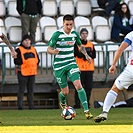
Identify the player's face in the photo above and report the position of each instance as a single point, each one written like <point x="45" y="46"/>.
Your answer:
<point x="84" y="35"/>
<point x="27" y="42"/>
<point x="68" y="25"/>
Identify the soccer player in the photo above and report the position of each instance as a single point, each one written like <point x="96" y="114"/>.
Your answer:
<point x="61" y="45"/>
<point x="124" y="80"/>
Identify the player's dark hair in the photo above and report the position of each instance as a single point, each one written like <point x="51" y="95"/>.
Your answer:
<point x="68" y="17"/>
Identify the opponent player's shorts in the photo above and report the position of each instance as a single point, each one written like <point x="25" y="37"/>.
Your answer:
<point x="125" y="79"/>
<point x="70" y="71"/>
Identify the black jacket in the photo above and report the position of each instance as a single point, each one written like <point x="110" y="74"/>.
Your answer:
<point x="32" y="7"/>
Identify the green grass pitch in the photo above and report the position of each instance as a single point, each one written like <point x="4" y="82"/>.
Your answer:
<point x="50" y="117"/>
<point x="120" y="120"/>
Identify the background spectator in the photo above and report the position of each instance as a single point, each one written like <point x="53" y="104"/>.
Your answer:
<point x="27" y="62"/>
<point x="108" y="6"/>
<point x="121" y="23"/>
<point x="86" y="69"/>
<point x="29" y="11"/>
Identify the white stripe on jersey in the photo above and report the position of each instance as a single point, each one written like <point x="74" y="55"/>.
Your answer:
<point x="64" y="66"/>
<point x="66" y="36"/>
<point x="65" y="49"/>
<point x="64" y="56"/>
<point x="60" y="62"/>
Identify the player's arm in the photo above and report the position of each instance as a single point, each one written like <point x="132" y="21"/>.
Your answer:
<point x="83" y="50"/>
<point x="52" y="44"/>
<point x="51" y="50"/>
<point x="117" y="55"/>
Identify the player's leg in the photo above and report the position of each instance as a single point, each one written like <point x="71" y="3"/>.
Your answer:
<point x="123" y="81"/>
<point x="61" y="78"/>
<point x="83" y="98"/>
<point x="62" y="95"/>
<point x="108" y="102"/>
<point x="77" y="101"/>
<point x="74" y="76"/>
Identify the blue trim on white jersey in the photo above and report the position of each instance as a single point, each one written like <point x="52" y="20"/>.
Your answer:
<point x="127" y="41"/>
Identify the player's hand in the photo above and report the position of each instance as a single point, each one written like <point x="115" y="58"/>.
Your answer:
<point x="14" y="53"/>
<point x="88" y="58"/>
<point x="112" y="69"/>
<point x="55" y="51"/>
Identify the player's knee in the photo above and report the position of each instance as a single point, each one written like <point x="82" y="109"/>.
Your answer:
<point x="65" y="91"/>
<point x="115" y="89"/>
<point x="78" y="86"/>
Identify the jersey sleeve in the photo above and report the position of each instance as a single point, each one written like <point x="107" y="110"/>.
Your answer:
<point x="128" y="38"/>
<point x="78" y="41"/>
<point x="53" y="40"/>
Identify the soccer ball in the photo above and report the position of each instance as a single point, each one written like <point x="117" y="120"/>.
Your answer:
<point x="68" y="113"/>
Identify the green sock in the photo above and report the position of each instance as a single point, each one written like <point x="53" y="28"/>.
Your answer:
<point x="62" y="98"/>
<point x="83" y="98"/>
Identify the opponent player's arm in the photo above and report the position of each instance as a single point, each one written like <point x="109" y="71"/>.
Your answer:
<point x="119" y="52"/>
<point x="83" y="50"/>
<point x="51" y="50"/>
<point x="117" y="55"/>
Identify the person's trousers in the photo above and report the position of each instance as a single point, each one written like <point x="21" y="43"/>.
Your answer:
<point x="29" y="83"/>
<point x="111" y="5"/>
<point x="29" y="25"/>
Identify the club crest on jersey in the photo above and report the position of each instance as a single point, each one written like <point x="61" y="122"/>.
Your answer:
<point x="73" y="39"/>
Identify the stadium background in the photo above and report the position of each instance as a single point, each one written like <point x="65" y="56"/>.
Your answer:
<point x="46" y="92"/>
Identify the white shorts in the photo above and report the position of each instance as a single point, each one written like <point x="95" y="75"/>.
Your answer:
<point x="125" y="79"/>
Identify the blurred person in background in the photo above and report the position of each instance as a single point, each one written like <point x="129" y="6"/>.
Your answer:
<point x="26" y="61"/>
<point x="30" y="11"/>
<point x="108" y="6"/>
<point x="121" y="23"/>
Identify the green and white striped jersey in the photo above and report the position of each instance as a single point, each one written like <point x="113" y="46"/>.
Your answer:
<point x="65" y="44"/>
